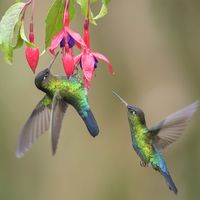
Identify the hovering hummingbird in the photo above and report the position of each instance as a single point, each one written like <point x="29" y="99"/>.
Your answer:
<point x="50" y="111"/>
<point x="148" y="143"/>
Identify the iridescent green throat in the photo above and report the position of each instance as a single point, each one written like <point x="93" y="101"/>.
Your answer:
<point x="140" y="137"/>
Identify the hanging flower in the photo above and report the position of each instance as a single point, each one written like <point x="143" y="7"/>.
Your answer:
<point x="32" y="53"/>
<point x="88" y="59"/>
<point x="32" y="57"/>
<point x="68" y="63"/>
<point x="66" y="34"/>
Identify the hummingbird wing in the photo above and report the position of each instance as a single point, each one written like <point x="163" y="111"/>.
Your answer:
<point x="59" y="108"/>
<point x="171" y="128"/>
<point x="37" y="123"/>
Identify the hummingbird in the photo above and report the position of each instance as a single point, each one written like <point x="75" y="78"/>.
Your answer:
<point x="149" y="142"/>
<point x="49" y="112"/>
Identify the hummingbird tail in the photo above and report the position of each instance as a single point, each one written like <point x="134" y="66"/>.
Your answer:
<point x="169" y="181"/>
<point x="91" y="123"/>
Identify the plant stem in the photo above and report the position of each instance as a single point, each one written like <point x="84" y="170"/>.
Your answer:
<point x="66" y="14"/>
<point x="88" y="14"/>
<point x="32" y="15"/>
<point x="25" y="7"/>
<point x="87" y="20"/>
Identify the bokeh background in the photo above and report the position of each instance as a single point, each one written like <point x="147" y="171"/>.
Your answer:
<point x="154" y="46"/>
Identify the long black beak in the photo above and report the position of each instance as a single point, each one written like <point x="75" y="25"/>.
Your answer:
<point x="51" y="64"/>
<point x="124" y="102"/>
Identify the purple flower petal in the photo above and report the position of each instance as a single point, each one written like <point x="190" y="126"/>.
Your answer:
<point x="95" y="63"/>
<point x="62" y="43"/>
<point x="71" y="41"/>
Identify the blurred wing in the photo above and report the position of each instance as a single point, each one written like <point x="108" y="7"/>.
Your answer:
<point x="59" y="108"/>
<point x="170" y="129"/>
<point x="37" y="123"/>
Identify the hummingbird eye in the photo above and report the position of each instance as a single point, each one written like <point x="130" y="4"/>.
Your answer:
<point x="133" y="112"/>
<point x="46" y="75"/>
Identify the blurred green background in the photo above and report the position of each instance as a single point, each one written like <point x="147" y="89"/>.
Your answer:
<point x="154" y="46"/>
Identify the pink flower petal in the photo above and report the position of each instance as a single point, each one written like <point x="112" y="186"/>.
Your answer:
<point x="77" y="58"/>
<point x="68" y="63"/>
<point x="104" y="58"/>
<point x="32" y="56"/>
<point x="76" y="37"/>
<point x="87" y="62"/>
<point x="56" y="41"/>
<point x="78" y="45"/>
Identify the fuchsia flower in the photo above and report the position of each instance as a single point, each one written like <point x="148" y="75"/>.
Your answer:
<point x="66" y="36"/>
<point x="32" y="54"/>
<point x="68" y="63"/>
<point x="88" y="59"/>
<point x="32" y="57"/>
<point x="66" y="39"/>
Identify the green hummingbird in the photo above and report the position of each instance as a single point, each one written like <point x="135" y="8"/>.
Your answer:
<point x="49" y="112"/>
<point x="148" y="142"/>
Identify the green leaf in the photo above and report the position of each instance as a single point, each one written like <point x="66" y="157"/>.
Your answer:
<point x="54" y="21"/>
<point x="92" y="20"/>
<point x="19" y="42"/>
<point x="104" y="9"/>
<point x="84" y="6"/>
<point x="7" y="26"/>
<point x="21" y="37"/>
<point x="72" y="9"/>
<point x="84" y="9"/>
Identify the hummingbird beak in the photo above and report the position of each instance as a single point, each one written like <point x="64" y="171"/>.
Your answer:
<point x="50" y="65"/>
<point x="126" y="104"/>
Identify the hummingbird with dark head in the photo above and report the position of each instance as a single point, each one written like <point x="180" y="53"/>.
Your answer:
<point x="149" y="142"/>
<point x="49" y="112"/>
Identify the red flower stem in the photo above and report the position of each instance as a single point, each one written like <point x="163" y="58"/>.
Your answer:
<point x="31" y="33"/>
<point x="88" y="14"/>
<point x="87" y="20"/>
<point x="33" y="10"/>
<point x="86" y="27"/>
<point x="31" y="27"/>
<point x="66" y="14"/>
<point x="32" y="14"/>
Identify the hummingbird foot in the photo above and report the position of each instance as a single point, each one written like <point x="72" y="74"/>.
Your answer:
<point x="143" y="164"/>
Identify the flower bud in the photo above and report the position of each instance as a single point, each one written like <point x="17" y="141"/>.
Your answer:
<point x="32" y="56"/>
<point x="68" y="63"/>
